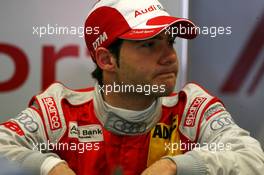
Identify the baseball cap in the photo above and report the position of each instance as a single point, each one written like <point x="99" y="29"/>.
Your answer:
<point x="130" y="20"/>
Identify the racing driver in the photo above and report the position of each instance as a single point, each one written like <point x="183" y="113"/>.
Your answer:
<point x="131" y="122"/>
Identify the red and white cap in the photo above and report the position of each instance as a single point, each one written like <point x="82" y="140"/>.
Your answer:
<point x="131" y="20"/>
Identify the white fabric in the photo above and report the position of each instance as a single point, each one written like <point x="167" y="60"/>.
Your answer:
<point x="49" y="164"/>
<point x="130" y="114"/>
<point x="127" y="9"/>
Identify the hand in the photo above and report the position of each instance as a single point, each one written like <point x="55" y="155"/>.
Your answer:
<point x="61" y="168"/>
<point x="162" y="166"/>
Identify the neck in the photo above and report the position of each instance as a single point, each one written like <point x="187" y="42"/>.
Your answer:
<point x="109" y="116"/>
<point x="130" y="101"/>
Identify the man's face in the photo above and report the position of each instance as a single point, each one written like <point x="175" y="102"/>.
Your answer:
<point x="149" y="62"/>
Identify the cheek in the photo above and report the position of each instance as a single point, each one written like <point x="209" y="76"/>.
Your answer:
<point x="134" y="66"/>
<point x="134" y="74"/>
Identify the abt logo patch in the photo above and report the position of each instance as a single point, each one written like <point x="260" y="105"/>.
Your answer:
<point x="52" y="112"/>
<point x="86" y="133"/>
<point x="192" y="111"/>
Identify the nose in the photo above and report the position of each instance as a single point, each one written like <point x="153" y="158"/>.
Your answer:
<point x="168" y="55"/>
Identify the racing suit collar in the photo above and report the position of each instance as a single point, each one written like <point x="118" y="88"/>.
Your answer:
<point x="126" y="122"/>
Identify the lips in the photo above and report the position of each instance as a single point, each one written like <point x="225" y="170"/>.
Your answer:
<point x="165" y="71"/>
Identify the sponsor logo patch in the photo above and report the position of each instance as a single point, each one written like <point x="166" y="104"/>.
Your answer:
<point x="192" y="111"/>
<point x="28" y="122"/>
<point x="147" y="10"/>
<point x="86" y="133"/>
<point x="100" y="40"/>
<point x="14" y="127"/>
<point x="221" y="123"/>
<point x="163" y="134"/>
<point x="52" y="112"/>
<point x="212" y="111"/>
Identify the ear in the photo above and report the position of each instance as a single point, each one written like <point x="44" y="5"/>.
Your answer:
<point x="105" y="59"/>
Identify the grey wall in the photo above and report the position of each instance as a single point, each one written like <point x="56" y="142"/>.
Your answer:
<point x="212" y="59"/>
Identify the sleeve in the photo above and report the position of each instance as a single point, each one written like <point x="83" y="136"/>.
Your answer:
<point x="222" y="147"/>
<point x="23" y="141"/>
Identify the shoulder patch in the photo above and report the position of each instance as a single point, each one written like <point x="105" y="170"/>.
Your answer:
<point x="197" y="99"/>
<point x="50" y="105"/>
<point x="52" y="112"/>
<point x="191" y="115"/>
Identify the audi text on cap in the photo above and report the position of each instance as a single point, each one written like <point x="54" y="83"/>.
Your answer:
<point x="131" y="20"/>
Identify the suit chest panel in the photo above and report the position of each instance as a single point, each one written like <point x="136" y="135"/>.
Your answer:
<point x="131" y="154"/>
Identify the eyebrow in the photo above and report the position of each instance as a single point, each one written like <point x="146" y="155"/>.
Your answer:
<point x="157" y="37"/>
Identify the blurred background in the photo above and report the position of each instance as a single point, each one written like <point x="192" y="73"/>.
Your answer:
<point x="227" y="57"/>
<point x="231" y="66"/>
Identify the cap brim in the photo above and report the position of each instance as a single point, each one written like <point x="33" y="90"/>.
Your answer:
<point x="179" y="27"/>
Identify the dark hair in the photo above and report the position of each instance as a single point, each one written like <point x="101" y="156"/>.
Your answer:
<point x="114" y="48"/>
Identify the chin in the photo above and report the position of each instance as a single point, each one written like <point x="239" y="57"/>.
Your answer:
<point x="165" y="90"/>
<point x="164" y="94"/>
<point x="168" y="92"/>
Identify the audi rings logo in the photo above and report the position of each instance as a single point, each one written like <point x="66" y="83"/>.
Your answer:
<point x="220" y="123"/>
<point x="129" y="127"/>
<point x="29" y="124"/>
